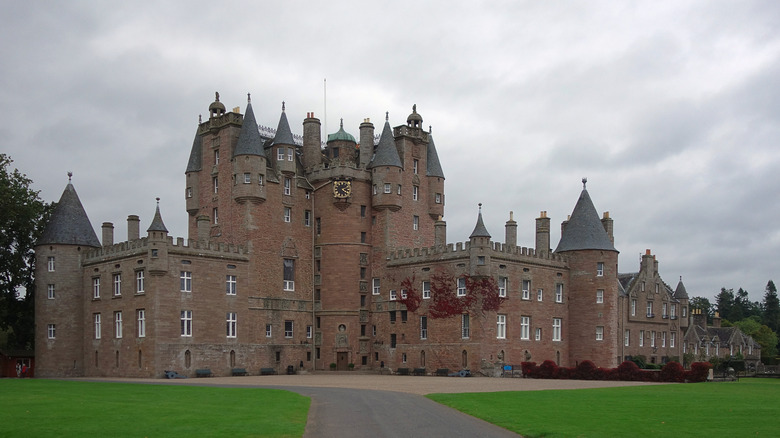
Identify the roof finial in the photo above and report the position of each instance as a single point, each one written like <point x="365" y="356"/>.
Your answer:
<point x="282" y="106"/>
<point x="248" y="98"/>
<point x="480" y="208"/>
<point x="430" y="130"/>
<point x="414" y="108"/>
<point x="217" y="94"/>
<point x="158" y="201"/>
<point x="387" y="116"/>
<point x="70" y="175"/>
<point x="341" y="124"/>
<point x="584" y="181"/>
<point x="200" y="119"/>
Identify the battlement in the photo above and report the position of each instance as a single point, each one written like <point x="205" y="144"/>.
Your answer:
<point x="179" y="245"/>
<point x="452" y="251"/>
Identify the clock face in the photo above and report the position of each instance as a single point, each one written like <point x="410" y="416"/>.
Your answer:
<point x="342" y="189"/>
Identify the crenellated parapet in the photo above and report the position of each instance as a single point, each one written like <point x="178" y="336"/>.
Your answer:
<point x="497" y="251"/>
<point x="178" y="246"/>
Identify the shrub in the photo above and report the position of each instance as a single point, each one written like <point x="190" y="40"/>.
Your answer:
<point x="628" y="370"/>
<point x="586" y="370"/>
<point x="529" y="369"/>
<point x="698" y="372"/>
<point x="548" y="370"/>
<point x="673" y="372"/>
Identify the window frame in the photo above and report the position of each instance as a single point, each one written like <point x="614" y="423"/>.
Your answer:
<point x="140" y="282"/>
<point x="559" y="293"/>
<point x="423" y="327"/>
<point x="186" y="323"/>
<point x="557" y="329"/>
<point x="599" y="332"/>
<point x="185" y="281"/>
<point x="231" y="284"/>
<point x="288" y="275"/>
<point x="140" y="315"/>
<point x="502" y="286"/>
<point x="500" y="326"/>
<point x="426" y="289"/>
<point x="98" y="325"/>
<point x="465" y="326"/>
<point x="599" y="296"/>
<point x="231" y="324"/>
<point x="118" y="324"/>
<point x="461" y="287"/>
<point x="526" y="290"/>
<point x="525" y="328"/>
<point x="117" y="284"/>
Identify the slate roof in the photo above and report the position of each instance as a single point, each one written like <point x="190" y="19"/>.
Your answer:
<point x="283" y="133"/>
<point x="249" y="141"/>
<point x="680" y="292"/>
<point x="195" y="164"/>
<point x="584" y="230"/>
<point x="385" y="153"/>
<point x="157" y="222"/>
<point x="69" y="224"/>
<point x="479" y="228"/>
<point x="434" y="166"/>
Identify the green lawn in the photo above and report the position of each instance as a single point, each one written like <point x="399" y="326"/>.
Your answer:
<point x="39" y="408"/>
<point x="750" y="407"/>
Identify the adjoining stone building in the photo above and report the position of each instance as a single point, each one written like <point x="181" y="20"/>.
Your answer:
<point x="309" y="254"/>
<point x="703" y="342"/>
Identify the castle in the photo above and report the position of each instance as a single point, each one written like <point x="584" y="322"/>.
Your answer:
<point x="335" y="256"/>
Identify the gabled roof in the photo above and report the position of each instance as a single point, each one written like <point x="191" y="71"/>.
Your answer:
<point x="69" y="223"/>
<point x="434" y="166"/>
<point x="249" y="141"/>
<point x="479" y="228"/>
<point x="385" y="153"/>
<point x="157" y="222"/>
<point x="626" y="280"/>
<point x="195" y="164"/>
<point x="584" y="230"/>
<point x="283" y="133"/>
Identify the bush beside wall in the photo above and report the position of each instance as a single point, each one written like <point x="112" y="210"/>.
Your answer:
<point x="628" y="370"/>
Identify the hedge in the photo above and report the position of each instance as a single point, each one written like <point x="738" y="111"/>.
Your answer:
<point x="628" y="370"/>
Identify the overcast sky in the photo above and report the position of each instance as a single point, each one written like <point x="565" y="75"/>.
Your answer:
<point x="670" y="109"/>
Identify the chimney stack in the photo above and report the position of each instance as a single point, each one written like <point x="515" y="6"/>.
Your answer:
<point x="108" y="234"/>
<point x="543" y="233"/>
<point x="133" y="227"/>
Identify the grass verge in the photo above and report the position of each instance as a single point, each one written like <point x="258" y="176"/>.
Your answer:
<point x="749" y="407"/>
<point x="37" y="407"/>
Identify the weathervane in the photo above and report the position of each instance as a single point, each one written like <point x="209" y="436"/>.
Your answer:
<point x="584" y="181"/>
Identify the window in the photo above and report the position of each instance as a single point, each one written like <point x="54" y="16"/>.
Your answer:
<point x="415" y="192"/>
<point x="318" y="225"/>
<point x="50" y="264"/>
<point x="437" y="197"/>
<point x="556" y="335"/>
<point x="403" y="294"/>
<point x="387" y="188"/>
<point x="600" y="269"/>
<point x="633" y="307"/>
<point x="139" y="282"/>
<point x="403" y="357"/>
<point x="500" y="326"/>
<point x="461" y="286"/>
<point x="538" y="335"/>
<point x="186" y="323"/>
<point x="600" y="296"/>
<point x="641" y="338"/>
<point x="362" y="237"/>
<point x="118" y="325"/>
<point x="373" y="330"/>
<point x="287" y="214"/>
<point x="230" y="322"/>
<point x="117" y="285"/>
<point x="280" y="154"/>
<point x="247" y="178"/>
<point x="526" y="289"/>
<point x="652" y="338"/>
<point x="289" y="274"/>
<point x="309" y="332"/>
<point x="664" y="313"/>
<point x="289" y="154"/>
<point x="684" y="311"/>
<point x="307" y="218"/>
<point x="673" y="313"/>
<point x="215" y="181"/>
<point x="393" y="342"/>
<point x="663" y="339"/>
<point x="189" y="192"/>
<point x="393" y="295"/>
<point x="375" y="286"/>
<point x="392" y="317"/>
<point x="185" y="281"/>
<point x="268" y="331"/>
<point x="502" y="281"/>
<point x="600" y="333"/>
<point x="260" y="179"/>
<point x="627" y="338"/>
<point x="374" y="189"/>
<point x="426" y="290"/>
<point x="525" y="327"/>
<point x="465" y="330"/>
<point x="307" y="194"/>
<point x="416" y="223"/>
<point x="657" y="288"/>
<point x="97" y="326"/>
<point x="642" y="286"/>
<point x="558" y="293"/>
<point x="216" y="157"/>
<point x="287" y="185"/>
<point x="539" y="293"/>
<point x="141" y="317"/>
<point x="672" y="337"/>
<point x="481" y="260"/>
<point x="423" y="327"/>
<point x="96" y="287"/>
<point x="399" y="189"/>
<point x="362" y="211"/>
<point x="51" y="330"/>
<point x="230" y="284"/>
<point x="50" y="291"/>
<point x="415" y="166"/>
<point x="650" y="309"/>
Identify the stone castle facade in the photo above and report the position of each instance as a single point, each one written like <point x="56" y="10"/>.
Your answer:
<point x="319" y="256"/>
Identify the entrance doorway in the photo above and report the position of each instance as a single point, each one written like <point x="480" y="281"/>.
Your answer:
<point x="342" y="361"/>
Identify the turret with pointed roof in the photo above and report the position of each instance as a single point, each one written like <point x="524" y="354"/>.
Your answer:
<point x="387" y="171"/>
<point x="479" y="229"/>
<point x="249" y="160"/>
<point x="385" y="153"/>
<point x="435" y="176"/>
<point x="584" y="229"/>
<point x="283" y="145"/>
<point x="69" y="224"/>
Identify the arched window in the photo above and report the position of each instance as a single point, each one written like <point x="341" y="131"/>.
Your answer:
<point x="422" y="358"/>
<point x="232" y="358"/>
<point x="465" y="359"/>
<point x="187" y="359"/>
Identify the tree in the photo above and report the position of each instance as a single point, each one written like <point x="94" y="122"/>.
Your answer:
<point x="771" y="307"/>
<point x="22" y="218"/>
<point x="761" y="334"/>
<point x="704" y="305"/>
<point x="725" y="304"/>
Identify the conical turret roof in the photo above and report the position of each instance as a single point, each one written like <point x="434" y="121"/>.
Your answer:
<point x="385" y="153"/>
<point x="69" y="223"/>
<point x="283" y="133"/>
<point x="434" y="166"/>
<point x="680" y="293"/>
<point x="584" y="230"/>
<point x="479" y="228"/>
<point x="157" y="222"/>
<point x="249" y="141"/>
<point x="195" y="164"/>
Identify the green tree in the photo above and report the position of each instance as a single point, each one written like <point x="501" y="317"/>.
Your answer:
<point x="771" y="307"/>
<point x="724" y="302"/>
<point x="22" y="217"/>
<point x="761" y="334"/>
<point x="704" y="305"/>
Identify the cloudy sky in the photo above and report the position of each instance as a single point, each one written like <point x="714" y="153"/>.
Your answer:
<point x="670" y="109"/>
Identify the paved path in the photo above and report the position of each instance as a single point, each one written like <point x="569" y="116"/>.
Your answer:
<point x="358" y="405"/>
